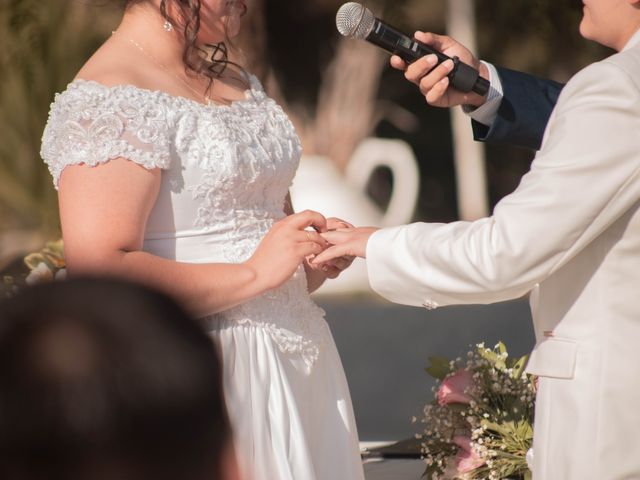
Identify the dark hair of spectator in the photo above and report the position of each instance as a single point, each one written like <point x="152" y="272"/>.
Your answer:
<point x="101" y="379"/>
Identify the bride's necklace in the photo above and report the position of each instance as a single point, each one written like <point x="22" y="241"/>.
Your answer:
<point x="204" y="96"/>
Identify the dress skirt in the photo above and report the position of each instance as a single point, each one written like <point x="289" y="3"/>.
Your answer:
<point x="290" y="421"/>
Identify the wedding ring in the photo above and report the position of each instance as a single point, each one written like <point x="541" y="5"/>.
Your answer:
<point x="308" y="235"/>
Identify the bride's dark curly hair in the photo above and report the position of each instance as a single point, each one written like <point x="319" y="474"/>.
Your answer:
<point x="208" y="60"/>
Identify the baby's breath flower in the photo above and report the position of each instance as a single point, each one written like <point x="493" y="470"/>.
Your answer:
<point x="499" y="401"/>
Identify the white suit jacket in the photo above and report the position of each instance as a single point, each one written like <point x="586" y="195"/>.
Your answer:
<point x="570" y="235"/>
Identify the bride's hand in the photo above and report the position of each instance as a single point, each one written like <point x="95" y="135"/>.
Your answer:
<point x="332" y="268"/>
<point x="286" y="246"/>
<point x="336" y="266"/>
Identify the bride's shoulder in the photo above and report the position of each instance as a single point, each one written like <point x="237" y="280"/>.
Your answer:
<point x="108" y="82"/>
<point x="102" y="115"/>
<point x="108" y="74"/>
<point x="113" y="65"/>
<point x="91" y="92"/>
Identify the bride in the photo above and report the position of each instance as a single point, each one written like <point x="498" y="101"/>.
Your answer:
<point x="173" y="169"/>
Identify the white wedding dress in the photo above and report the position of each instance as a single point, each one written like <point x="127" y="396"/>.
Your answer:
<point x="226" y="172"/>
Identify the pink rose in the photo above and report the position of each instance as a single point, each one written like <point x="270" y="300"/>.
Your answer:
<point x="467" y="459"/>
<point x="453" y="389"/>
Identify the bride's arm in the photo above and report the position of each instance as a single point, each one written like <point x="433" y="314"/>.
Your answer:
<point x="103" y="213"/>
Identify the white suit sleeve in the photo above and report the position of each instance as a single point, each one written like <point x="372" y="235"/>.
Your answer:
<point x="583" y="179"/>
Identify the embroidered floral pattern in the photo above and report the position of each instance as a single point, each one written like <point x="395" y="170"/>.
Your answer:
<point x="289" y="316"/>
<point x="88" y="124"/>
<point x="234" y="163"/>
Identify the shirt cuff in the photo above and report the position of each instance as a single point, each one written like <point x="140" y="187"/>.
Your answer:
<point x="487" y="112"/>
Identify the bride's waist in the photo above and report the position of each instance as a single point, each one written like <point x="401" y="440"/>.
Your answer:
<point x="297" y="331"/>
<point x="205" y="247"/>
<point x="289" y="304"/>
<point x="291" y="320"/>
<point x="303" y="318"/>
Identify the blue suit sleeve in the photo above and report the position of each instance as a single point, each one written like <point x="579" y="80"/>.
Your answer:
<point x="524" y="111"/>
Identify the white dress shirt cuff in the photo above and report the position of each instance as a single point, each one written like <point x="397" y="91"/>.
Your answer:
<point x="486" y="113"/>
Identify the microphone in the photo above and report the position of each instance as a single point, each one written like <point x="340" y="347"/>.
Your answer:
<point x="353" y="20"/>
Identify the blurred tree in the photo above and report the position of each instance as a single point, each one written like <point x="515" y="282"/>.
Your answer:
<point x="540" y="37"/>
<point x="43" y="46"/>
<point x="296" y="49"/>
<point x="328" y="84"/>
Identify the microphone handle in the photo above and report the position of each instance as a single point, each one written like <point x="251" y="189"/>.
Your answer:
<point x="463" y="77"/>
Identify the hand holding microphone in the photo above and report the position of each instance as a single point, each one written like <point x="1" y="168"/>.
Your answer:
<point x="428" y="57"/>
<point x="433" y="81"/>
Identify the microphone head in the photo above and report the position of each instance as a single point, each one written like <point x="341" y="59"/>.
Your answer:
<point x="354" y="20"/>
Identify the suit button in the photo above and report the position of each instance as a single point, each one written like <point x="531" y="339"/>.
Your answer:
<point x="430" y="305"/>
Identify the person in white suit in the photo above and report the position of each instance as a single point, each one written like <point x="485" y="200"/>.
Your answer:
<point x="570" y="236"/>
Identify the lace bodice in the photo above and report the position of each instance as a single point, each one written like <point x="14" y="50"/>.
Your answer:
<point x="226" y="172"/>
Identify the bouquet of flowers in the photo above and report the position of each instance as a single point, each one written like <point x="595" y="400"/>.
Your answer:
<point x="479" y="425"/>
<point x="47" y="264"/>
<point x="38" y="267"/>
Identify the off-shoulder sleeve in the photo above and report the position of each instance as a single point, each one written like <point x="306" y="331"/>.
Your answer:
<point x="91" y="124"/>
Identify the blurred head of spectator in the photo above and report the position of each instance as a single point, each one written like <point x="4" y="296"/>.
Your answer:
<point x="101" y="379"/>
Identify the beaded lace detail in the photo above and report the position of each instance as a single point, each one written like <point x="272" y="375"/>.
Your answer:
<point x="227" y="168"/>
<point x="288" y="316"/>
<point x="90" y="124"/>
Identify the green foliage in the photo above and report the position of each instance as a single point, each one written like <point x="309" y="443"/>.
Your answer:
<point x="439" y="367"/>
<point x="43" y="46"/>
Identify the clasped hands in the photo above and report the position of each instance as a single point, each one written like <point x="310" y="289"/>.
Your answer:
<point x="335" y="242"/>
<point x="325" y="245"/>
<point x="342" y="243"/>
